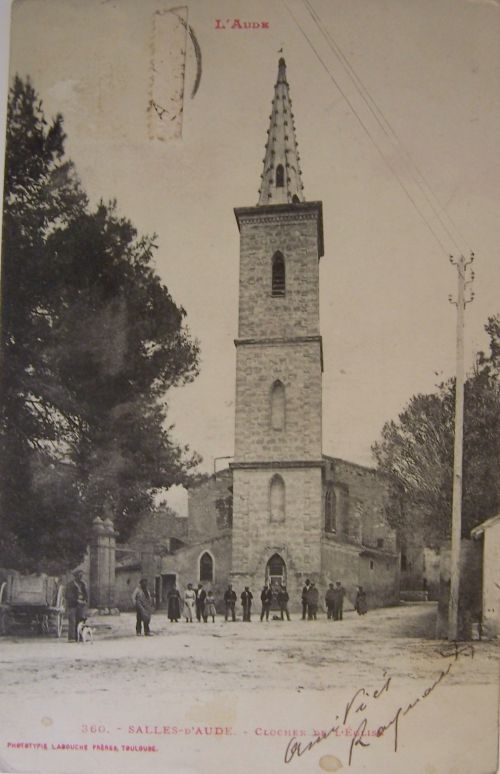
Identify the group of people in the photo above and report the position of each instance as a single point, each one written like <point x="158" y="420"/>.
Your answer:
<point x="334" y="601"/>
<point x="198" y="603"/>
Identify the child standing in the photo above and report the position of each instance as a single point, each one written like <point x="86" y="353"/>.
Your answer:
<point x="210" y="606"/>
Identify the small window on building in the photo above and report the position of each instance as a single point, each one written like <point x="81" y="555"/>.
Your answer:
<point x="280" y="176"/>
<point x="380" y="542"/>
<point x="278" y="406"/>
<point x="206" y="568"/>
<point x="277" y="498"/>
<point x="403" y="562"/>
<point x="330" y="511"/>
<point x="295" y="199"/>
<point x="278" y="275"/>
<point x="371" y="564"/>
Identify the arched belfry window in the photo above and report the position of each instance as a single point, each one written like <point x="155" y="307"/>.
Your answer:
<point x="277" y="498"/>
<point x="206" y="568"/>
<point x="278" y="279"/>
<point x="280" y="176"/>
<point x="330" y="511"/>
<point x="278" y="405"/>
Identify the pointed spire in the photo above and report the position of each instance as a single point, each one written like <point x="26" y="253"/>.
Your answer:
<point x="281" y="179"/>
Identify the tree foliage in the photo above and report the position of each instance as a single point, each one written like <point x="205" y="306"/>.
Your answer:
<point x="91" y="342"/>
<point x="416" y="452"/>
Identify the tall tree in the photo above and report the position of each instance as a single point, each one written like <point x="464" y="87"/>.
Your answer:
<point x="91" y="342"/>
<point x="416" y="452"/>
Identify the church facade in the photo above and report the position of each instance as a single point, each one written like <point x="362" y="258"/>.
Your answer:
<point x="296" y="513"/>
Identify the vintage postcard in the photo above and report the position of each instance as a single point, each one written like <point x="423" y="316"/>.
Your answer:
<point x="250" y="387"/>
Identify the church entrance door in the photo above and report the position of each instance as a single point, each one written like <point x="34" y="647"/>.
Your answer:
<point x="275" y="577"/>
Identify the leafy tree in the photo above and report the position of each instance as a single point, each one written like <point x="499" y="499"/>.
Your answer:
<point x="416" y="452"/>
<point x="91" y="342"/>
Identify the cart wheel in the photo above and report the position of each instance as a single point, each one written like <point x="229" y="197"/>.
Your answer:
<point x="56" y="624"/>
<point x="60" y="598"/>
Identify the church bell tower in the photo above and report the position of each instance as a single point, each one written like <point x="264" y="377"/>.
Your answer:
<point x="277" y="468"/>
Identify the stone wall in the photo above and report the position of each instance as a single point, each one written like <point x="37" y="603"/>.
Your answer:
<point x="339" y="563"/>
<point x="185" y="565"/>
<point x="491" y="581"/>
<point x="469" y="605"/>
<point x="297" y="364"/>
<point x="205" y="519"/>
<point x="295" y="234"/>
<point x="297" y="539"/>
<point x="379" y="576"/>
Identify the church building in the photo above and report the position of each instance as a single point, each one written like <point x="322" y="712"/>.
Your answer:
<point x="283" y="511"/>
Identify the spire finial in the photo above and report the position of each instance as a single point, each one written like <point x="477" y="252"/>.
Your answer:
<point x="282" y="182"/>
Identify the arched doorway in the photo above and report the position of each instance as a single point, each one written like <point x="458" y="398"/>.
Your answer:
<point x="275" y="576"/>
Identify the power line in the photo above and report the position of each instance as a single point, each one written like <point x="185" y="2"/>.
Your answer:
<point x="386" y="127"/>
<point x="367" y="131"/>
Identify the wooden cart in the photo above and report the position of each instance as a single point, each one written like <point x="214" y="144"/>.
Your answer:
<point x="32" y="602"/>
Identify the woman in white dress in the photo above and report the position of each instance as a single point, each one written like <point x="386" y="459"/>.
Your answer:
<point x="189" y="603"/>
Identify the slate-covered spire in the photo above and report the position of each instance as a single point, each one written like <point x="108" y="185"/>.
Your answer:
<point x="281" y="181"/>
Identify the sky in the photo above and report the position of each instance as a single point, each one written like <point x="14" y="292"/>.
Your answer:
<point x="391" y="169"/>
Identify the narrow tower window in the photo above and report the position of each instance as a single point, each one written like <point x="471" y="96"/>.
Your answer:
<point x="330" y="511"/>
<point x="280" y="176"/>
<point x="278" y="280"/>
<point x="206" y="568"/>
<point x="278" y="406"/>
<point x="277" y="498"/>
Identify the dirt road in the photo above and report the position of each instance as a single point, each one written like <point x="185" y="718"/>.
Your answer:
<point x="201" y="695"/>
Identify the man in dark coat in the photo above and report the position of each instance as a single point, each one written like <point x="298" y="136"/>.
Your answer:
<point x="360" y="604"/>
<point x="304" y="599"/>
<point x="338" y="601"/>
<point x="283" y="599"/>
<point x="174" y="605"/>
<point x="143" y="607"/>
<point x="312" y="602"/>
<point x="230" y="602"/>
<point x="76" y="603"/>
<point x="201" y="596"/>
<point x="266" y="597"/>
<point x="246" y="603"/>
<point x="330" y="601"/>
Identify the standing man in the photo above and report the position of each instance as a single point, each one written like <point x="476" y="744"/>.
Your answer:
<point x="304" y="599"/>
<point x="143" y="602"/>
<point x="246" y="602"/>
<point x="312" y="602"/>
<point x="330" y="597"/>
<point x="266" y="597"/>
<point x="201" y="596"/>
<point x="230" y="602"/>
<point x="338" y="602"/>
<point x="76" y="603"/>
<point x="283" y="599"/>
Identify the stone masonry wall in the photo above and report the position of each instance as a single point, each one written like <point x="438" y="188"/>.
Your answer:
<point x="369" y="488"/>
<point x="255" y="538"/>
<point x="297" y="312"/>
<point x="298" y="367"/>
<point x="204" y="520"/>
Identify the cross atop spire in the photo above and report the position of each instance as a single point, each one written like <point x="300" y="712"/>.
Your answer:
<point x="281" y="181"/>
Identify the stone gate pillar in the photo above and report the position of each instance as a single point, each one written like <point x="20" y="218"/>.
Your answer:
<point x="102" y="563"/>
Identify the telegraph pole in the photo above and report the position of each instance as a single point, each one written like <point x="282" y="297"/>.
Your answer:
<point x="461" y="265"/>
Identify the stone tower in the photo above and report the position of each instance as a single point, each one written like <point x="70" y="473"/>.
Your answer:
<point x="277" y="469"/>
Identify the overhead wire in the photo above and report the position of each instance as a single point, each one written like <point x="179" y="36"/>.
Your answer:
<point x="367" y="131"/>
<point x="389" y="130"/>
